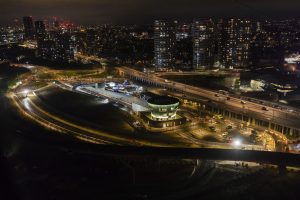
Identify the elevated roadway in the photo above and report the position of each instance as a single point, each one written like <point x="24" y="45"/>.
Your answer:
<point x="264" y="157"/>
<point x="287" y="117"/>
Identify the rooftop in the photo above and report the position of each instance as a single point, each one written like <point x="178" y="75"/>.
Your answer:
<point x="163" y="100"/>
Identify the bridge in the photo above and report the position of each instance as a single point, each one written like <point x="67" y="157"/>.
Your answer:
<point x="197" y="73"/>
<point x="265" y="157"/>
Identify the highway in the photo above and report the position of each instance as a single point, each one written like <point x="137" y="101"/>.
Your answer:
<point x="197" y="73"/>
<point x="29" y="106"/>
<point x="127" y="101"/>
<point x="31" y="109"/>
<point x="147" y="152"/>
<point x="288" y="115"/>
<point x="181" y="131"/>
<point x="46" y="120"/>
<point x="161" y="152"/>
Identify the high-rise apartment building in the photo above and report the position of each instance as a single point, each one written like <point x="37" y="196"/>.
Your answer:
<point x="28" y="28"/>
<point x="164" y="41"/>
<point x="64" y="47"/>
<point x="45" y="46"/>
<point x="235" y="42"/>
<point x="203" y="43"/>
<point x="54" y="45"/>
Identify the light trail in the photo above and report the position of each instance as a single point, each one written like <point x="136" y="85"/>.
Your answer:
<point x="109" y="138"/>
<point x="54" y="126"/>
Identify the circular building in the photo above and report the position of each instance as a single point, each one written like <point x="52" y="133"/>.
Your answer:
<point x="163" y="108"/>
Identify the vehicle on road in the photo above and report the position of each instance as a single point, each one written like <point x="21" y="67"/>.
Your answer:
<point x="229" y="127"/>
<point x="264" y="108"/>
<point x="218" y="116"/>
<point x="225" y="134"/>
<point x="275" y="106"/>
<point x="223" y="92"/>
<point x="212" y="128"/>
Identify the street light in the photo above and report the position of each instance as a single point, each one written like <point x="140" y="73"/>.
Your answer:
<point x="237" y="142"/>
<point x="25" y="92"/>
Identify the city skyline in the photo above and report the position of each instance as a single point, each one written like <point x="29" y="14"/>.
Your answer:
<point x="201" y="44"/>
<point x="149" y="99"/>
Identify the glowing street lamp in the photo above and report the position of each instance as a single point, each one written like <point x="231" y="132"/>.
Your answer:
<point x="237" y="142"/>
<point x="25" y="92"/>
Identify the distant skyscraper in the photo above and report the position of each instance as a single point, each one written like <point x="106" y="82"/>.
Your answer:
<point x="28" y="27"/>
<point x="56" y="23"/>
<point x="40" y="29"/>
<point x="235" y="43"/>
<point x="203" y="43"/>
<point x="64" y="46"/>
<point x="43" y="43"/>
<point x="54" y="45"/>
<point x="164" y="40"/>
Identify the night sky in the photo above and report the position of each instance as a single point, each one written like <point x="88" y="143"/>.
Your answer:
<point x="144" y="11"/>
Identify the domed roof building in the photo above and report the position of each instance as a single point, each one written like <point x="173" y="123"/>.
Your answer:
<point x="162" y="112"/>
